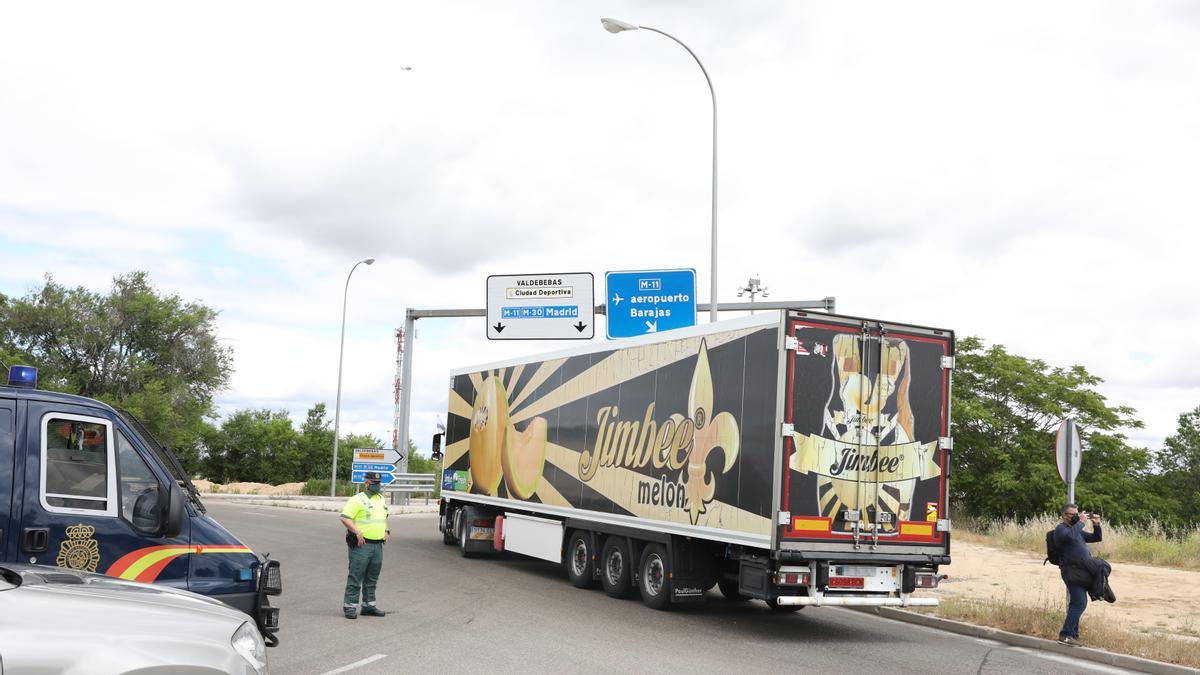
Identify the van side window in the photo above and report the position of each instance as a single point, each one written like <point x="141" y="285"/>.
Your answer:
<point x="139" y="487"/>
<point x="77" y="465"/>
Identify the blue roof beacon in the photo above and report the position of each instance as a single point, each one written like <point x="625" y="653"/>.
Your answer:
<point x="24" y="377"/>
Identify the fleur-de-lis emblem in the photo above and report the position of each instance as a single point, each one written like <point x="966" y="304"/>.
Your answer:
<point x="712" y="432"/>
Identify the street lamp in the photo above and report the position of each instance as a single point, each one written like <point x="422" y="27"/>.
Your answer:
<point x="753" y="287"/>
<point x="337" y="410"/>
<point x="618" y="26"/>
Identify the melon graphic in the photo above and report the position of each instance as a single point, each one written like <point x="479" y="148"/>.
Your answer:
<point x="489" y="422"/>
<point x="523" y="457"/>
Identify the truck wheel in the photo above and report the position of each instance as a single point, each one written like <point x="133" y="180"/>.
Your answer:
<point x="447" y="528"/>
<point x="614" y="568"/>
<point x="465" y="514"/>
<point x="729" y="589"/>
<point x="581" y="569"/>
<point x="654" y="577"/>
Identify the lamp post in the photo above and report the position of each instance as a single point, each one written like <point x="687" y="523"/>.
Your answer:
<point x="753" y="287"/>
<point x="618" y="26"/>
<point x="337" y="409"/>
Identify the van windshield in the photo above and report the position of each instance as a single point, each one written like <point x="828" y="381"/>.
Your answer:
<point x="165" y="457"/>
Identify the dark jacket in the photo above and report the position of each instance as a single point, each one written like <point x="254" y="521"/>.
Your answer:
<point x="1072" y="542"/>
<point x="1091" y="573"/>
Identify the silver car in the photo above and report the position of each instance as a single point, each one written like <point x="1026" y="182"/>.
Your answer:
<point x="54" y="620"/>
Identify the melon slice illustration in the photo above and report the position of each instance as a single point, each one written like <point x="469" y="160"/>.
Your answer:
<point x="489" y="422"/>
<point x="524" y="457"/>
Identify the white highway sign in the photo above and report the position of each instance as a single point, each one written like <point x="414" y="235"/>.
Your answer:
<point x="377" y="456"/>
<point x="541" y="307"/>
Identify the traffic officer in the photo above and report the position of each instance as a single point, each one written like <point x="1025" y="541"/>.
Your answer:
<point x="365" y="517"/>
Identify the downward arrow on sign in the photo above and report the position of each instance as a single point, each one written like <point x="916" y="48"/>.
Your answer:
<point x="499" y="327"/>
<point x="652" y="326"/>
<point x="580" y="326"/>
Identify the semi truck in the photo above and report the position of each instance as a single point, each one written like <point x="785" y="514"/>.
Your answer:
<point x="792" y="457"/>
<point x="86" y="487"/>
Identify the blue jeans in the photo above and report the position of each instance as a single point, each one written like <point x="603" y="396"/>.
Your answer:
<point x="1079" y="600"/>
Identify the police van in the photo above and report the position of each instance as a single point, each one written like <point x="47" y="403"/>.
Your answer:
<point x="85" y="486"/>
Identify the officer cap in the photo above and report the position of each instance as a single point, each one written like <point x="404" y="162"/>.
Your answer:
<point x="371" y="475"/>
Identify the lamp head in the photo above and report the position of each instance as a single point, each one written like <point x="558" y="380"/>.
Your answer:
<point x="370" y="261"/>
<point x="616" y="25"/>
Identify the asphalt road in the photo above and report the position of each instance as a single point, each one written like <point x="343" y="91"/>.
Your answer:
<point x="514" y="614"/>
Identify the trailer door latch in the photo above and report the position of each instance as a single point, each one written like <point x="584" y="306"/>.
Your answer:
<point x="787" y="429"/>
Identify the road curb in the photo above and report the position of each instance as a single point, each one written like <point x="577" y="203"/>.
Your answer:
<point x="1030" y="642"/>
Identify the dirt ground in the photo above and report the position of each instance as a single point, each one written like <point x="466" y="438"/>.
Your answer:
<point x="249" y="488"/>
<point x="1149" y="599"/>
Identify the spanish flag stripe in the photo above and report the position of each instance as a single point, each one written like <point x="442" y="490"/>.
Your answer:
<point x="146" y="564"/>
<point x="118" y="568"/>
<point x="134" y="571"/>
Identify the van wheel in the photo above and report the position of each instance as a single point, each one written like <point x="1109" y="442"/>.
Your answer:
<point x="614" y="568"/>
<point x="729" y="589"/>
<point x="654" y="577"/>
<point x="447" y="528"/>
<point x="581" y="569"/>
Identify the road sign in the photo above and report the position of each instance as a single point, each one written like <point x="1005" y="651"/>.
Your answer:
<point x="385" y="478"/>
<point x="541" y="307"/>
<point x="376" y="455"/>
<point x="1067" y="452"/>
<point x="649" y="301"/>
<point x="369" y="466"/>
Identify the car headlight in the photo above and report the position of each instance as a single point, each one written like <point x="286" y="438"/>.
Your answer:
<point x="247" y="642"/>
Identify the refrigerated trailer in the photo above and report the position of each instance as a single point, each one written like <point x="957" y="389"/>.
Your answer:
<point x="793" y="457"/>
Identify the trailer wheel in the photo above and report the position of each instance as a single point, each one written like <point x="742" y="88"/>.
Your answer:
<point x="447" y="528"/>
<point x="654" y="577"/>
<point x="729" y="589"/>
<point x="614" y="568"/>
<point x="581" y="569"/>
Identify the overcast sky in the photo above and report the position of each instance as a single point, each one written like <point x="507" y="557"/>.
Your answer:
<point x="1021" y="171"/>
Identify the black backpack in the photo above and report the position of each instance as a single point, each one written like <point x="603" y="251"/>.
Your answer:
<point x="1052" y="555"/>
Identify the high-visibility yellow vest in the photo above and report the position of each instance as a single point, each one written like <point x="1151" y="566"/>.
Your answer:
<point x="368" y="513"/>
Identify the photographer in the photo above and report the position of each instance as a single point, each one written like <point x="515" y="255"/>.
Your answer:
<point x="1072" y="543"/>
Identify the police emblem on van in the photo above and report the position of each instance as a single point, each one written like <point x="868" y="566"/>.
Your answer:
<point x="80" y="550"/>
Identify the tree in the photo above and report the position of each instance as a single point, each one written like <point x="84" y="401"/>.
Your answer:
<point x="1005" y="411"/>
<point x="258" y="446"/>
<point x="152" y="354"/>
<point x="1179" y="461"/>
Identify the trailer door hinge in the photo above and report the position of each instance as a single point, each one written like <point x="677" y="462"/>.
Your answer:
<point x="948" y="362"/>
<point x="787" y="429"/>
<point x="791" y="343"/>
<point x="943" y="525"/>
<point x="945" y="443"/>
<point x="785" y="517"/>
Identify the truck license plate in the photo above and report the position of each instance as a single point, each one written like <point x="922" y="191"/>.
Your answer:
<point x="845" y="582"/>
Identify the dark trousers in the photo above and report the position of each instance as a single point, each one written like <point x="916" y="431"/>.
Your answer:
<point x="1079" y="599"/>
<point x="365" y="563"/>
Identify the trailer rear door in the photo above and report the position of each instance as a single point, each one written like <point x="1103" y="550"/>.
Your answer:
<point x="865" y="462"/>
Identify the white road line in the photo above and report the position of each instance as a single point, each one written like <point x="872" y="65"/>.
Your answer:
<point x="356" y="664"/>
<point x="264" y="515"/>
<point x="1079" y="663"/>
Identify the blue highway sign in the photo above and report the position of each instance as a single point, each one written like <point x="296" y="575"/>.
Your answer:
<point x="369" y="466"/>
<point x="384" y="477"/>
<point x="649" y="301"/>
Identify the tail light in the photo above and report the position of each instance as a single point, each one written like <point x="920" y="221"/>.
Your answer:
<point x="792" y="579"/>
<point x="927" y="581"/>
<point x="482" y="522"/>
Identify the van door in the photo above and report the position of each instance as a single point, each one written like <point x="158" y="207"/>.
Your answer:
<point x="92" y="500"/>
<point x="8" y="435"/>
<point x="865" y="468"/>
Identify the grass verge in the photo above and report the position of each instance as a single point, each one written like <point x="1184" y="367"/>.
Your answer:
<point x="1147" y="544"/>
<point x="1044" y="621"/>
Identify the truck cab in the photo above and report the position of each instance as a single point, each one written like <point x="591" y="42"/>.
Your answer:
<point x="84" y="486"/>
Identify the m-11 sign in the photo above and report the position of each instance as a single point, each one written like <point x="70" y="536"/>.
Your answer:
<point x="649" y="301"/>
<point x="541" y="307"/>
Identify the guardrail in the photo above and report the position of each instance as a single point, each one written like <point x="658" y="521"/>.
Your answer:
<point x="407" y="484"/>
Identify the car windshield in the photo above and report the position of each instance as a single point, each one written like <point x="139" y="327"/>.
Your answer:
<point x="165" y="457"/>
